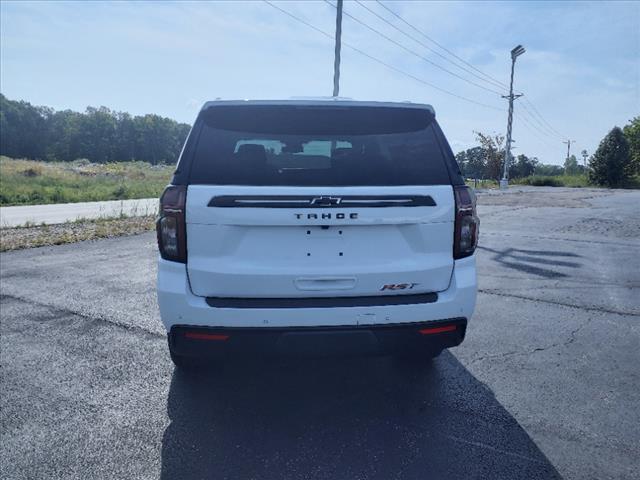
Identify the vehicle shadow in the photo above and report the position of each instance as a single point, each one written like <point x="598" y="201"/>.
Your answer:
<point x="343" y="418"/>
<point x="530" y="261"/>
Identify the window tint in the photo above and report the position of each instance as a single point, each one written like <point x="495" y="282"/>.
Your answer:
<point x="317" y="146"/>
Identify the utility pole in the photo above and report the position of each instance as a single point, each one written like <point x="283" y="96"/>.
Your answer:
<point x="515" y="53"/>
<point x="336" y="60"/>
<point x="568" y="143"/>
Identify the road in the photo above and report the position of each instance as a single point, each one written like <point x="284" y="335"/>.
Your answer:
<point x="69" y="212"/>
<point x="546" y="385"/>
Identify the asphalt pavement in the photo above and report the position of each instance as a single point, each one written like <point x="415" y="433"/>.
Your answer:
<point x="546" y="384"/>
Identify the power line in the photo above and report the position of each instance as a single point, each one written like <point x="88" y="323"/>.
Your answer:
<point x="543" y="119"/>
<point x="525" y="116"/>
<point x="538" y="117"/>
<point x="531" y="128"/>
<point x="535" y="129"/>
<point x="491" y="82"/>
<point x="413" y="52"/>
<point x="541" y="126"/>
<point x="382" y="62"/>
<point x="494" y="80"/>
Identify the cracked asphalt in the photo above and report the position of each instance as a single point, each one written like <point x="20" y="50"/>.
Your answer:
<point x="546" y="385"/>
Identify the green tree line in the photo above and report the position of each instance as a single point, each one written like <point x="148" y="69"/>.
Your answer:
<point x="487" y="159"/>
<point x="614" y="163"/>
<point x="99" y="134"/>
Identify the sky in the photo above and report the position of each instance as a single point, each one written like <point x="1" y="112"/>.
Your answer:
<point x="580" y="75"/>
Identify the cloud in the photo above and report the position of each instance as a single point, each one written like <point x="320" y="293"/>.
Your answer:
<point x="580" y="69"/>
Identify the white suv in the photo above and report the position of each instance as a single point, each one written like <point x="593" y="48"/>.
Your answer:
<point x="314" y="227"/>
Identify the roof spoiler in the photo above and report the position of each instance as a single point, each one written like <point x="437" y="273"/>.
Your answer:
<point x="319" y="101"/>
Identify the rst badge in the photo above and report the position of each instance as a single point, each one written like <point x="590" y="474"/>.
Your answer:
<point x="399" y="286"/>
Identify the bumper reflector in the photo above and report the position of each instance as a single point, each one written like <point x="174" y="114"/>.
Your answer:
<point x="205" y="336"/>
<point x="432" y="330"/>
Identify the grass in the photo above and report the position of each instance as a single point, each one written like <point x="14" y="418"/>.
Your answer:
<point x="554" y="181"/>
<point x="576" y="181"/>
<point x="30" y="236"/>
<point x="28" y="182"/>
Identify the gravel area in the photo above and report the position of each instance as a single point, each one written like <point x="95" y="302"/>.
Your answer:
<point x="543" y="196"/>
<point x="42" y="235"/>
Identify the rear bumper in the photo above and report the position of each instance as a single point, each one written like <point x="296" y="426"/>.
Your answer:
<point x="179" y="307"/>
<point x="356" y="340"/>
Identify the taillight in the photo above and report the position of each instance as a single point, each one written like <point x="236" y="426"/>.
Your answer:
<point x="434" y="330"/>
<point x="467" y="222"/>
<point x="170" y="226"/>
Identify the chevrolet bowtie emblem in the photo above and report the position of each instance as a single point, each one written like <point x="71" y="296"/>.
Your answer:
<point x="320" y="201"/>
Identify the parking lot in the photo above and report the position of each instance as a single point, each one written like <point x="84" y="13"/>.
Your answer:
<point x="546" y="385"/>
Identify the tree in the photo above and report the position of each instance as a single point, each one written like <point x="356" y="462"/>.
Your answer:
<point x="99" y="134"/>
<point x="64" y="142"/>
<point x="23" y="129"/>
<point x="126" y="133"/>
<point x="571" y="165"/>
<point x="610" y="165"/>
<point x="632" y="134"/>
<point x="523" y="166"/>
<point x="472" y="162"/>
<point x="494" y="153"/>
<point x="548" y="170"/>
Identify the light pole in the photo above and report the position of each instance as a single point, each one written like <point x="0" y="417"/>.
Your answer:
<point x="336" y="58"/>
<point x="515" y="53"/>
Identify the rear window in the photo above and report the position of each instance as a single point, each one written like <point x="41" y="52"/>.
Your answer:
<point x="317" y="146"/>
